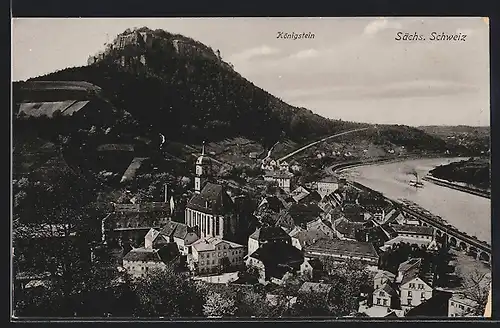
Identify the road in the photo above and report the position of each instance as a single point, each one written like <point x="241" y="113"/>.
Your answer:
<point x="317" y="142"/>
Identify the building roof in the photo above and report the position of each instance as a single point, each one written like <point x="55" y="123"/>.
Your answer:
<point x="266" y="233"/>
<point x="460" y="298"/>
<point x="388" y="289"/>
<point x="354" y="213"/>
<point x="407" y="240"/>
<point x="383" y="273"/>
<point x="143" y="254"/>
<point x="279" y="174"/>
<point x="343" y="247"/>
<point x="152" y="234"/>
<point x="176" y="230"/>
<point x="304" y="213"/>
<point x="213" y="199"/>
<point x="329" y="179"/>
<point x="420" y="230"/>
<point x="346" y="227"/>
<point x="410" y="270"/>
<point x="165" y="254"/>
<point x="277" y="253"/>
<point x="299" y="193"/>
<point x="315" y="263"/>
<point x="116" y="147"/>
<point x="313" y="287"/>
<point x="209" y="244"/>
<point x="143" y="219"/>
<point x="308" y="237"/>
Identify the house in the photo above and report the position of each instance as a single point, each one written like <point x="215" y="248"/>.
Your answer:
<point x="295" y="168"/>
<point x="154" y="239"/>
<point x="318" y="289"/>
<point x="389" y="214"/>
<point x="327" y="186"/>
<point x="268" y="164"/>
<point x="180" y="234"/>
<point x="210" y="255"/>
<point x="322" y="225"/>
<point x="282" y="178"/>
<point x="212" y="211"/>
<point x="284" y="166"/>
<point x="461" y="306"/>
<point x="418" y="232"/>
<point x="408" y="240"/>
<point x="342" y="250"/>
<point x="265" y="235"/>
<point x="331" y="201"/>
<point x="302" y="214"/>
<point x="413" y="285"/>
<point x="303" y="238"/>
<point x="346" y="229"/>
<point x="274" y="261"/>
<point x="385" y="296"/>
<point x="129" y="223"/>
<point x="139" y="261"/>
<point x="311" y="268"/>
<point x="299" y="193"/>
<point x="436" y="306"/>
<point x="383" y="277"/>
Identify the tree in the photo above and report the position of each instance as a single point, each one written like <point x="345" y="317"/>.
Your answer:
<point x="163" y="292"/>
<point x="476" y="287"/>
<point x="219" y="305"/>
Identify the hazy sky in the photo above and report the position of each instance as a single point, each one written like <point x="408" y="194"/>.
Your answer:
<point x="353" y="69"/>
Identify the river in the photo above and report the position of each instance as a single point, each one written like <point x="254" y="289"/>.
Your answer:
<point x="467" y="212"/>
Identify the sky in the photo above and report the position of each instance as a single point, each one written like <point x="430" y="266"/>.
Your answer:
<point x="353" y="69"/>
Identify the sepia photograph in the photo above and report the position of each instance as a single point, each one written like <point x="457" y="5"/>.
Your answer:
<point x="250" y="168"/>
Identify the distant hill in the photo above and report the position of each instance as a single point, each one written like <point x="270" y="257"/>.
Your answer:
<point x="472" y="137"/>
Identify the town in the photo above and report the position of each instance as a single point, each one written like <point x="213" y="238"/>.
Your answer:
<point x="299" y="235"/>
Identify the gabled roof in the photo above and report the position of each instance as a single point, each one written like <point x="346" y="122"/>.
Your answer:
<point x="213" y="199"/>
<point x="152" y="234"/>
<point x="308" y="237"/>
<point x="346" y="227"/>
<point x="329" y="179"/>
<point x="315" y="263"/>
<point x="124" y="220"/>
<point x="165" y="254"/>
<point x="343" y="247"/>
<point x="388" y="289"/>
<point x="116" y="147"/>
<point x="269" y="233"/>
<point x="299" y="193"/>
<point x="383" y="273"/>
<point x="176" y="230"/>
<point x="273" y="254"/>
<point x="413" y="229"/>
<point x="209" y="244"/>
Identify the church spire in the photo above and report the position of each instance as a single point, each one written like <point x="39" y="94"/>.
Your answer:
<point x="203" y="148"/>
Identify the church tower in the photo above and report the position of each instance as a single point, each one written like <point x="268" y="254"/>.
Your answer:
<point x="203" y="170"/>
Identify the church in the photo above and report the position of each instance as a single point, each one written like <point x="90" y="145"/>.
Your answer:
<point x="210" y="209"/>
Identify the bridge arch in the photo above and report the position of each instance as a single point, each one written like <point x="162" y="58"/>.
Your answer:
<point x="462" y="245"/>
<point x="452" y="241"/>
<point x="439" y="232"/>
<point x="424" y="224"/>
<point x="472" y="251"/>
<point x="483" y="256"/>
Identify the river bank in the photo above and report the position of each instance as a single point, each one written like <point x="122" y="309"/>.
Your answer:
<point x="467" y="212"/>
<point x="452" y="185"/>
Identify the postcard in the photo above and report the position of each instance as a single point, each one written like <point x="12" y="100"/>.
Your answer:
<point x="251" y="168"/>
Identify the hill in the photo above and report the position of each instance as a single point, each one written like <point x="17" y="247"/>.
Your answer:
<point x="472" y="137"/>
<point x="148" y="85"/>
